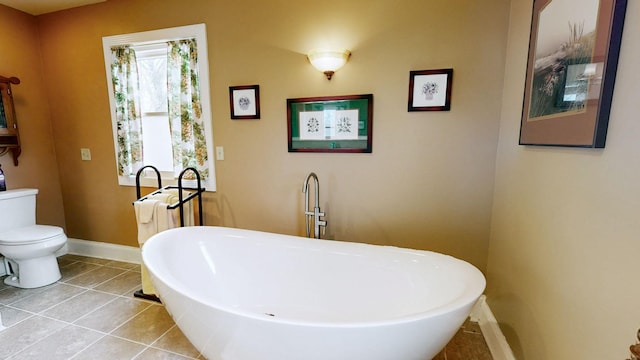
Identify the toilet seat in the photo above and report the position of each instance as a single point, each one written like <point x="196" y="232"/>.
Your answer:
<point x="32" y="234"/>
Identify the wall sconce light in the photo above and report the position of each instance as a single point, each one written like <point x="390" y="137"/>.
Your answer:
<point x="328" y="61"/>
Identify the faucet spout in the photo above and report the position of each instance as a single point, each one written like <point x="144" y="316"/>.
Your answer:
<point x="305" y="185"/>
<point x="316" y="214"/>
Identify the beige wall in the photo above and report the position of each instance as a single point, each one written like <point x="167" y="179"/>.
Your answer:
<point x="20" y="57"/>
<point x="561" y="262"/>
<point x="563" y="259"/>
<point x="427" y="184"/>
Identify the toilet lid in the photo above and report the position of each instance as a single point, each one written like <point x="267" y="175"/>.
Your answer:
<point x="29" y="234"/>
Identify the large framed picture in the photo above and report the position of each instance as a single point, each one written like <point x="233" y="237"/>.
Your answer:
<point x="245" y="102"/>
<point x="430" y="90"/>
<point x="330" y="124"/>
<point x="571" y="71"/>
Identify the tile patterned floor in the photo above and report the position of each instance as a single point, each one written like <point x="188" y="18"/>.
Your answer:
<point x="467" y="344"/>
<point x="91" y="314"/>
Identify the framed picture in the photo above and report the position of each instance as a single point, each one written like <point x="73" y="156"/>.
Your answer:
<point x="330" y="124"/>
<point x="245" y="101"/>
<point x="571" y="70"/>
<point x="430" y="90"/>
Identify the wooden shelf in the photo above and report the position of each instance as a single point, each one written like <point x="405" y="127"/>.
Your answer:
<point x="9" y="135"/>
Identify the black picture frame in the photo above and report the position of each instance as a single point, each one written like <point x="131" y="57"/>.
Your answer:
<point x="430" y="90"/>
<point x="244" y="102"/>
<point x="569" y="85"/>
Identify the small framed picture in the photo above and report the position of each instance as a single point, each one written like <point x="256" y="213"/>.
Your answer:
<point x="245" y="102"/>
<point x="430" y="90"/>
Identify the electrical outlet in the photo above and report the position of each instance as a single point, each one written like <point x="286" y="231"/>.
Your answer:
<point x="85" y="154"/>
<point x="219" y="153"/>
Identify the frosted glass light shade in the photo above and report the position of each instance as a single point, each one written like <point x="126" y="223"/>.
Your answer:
<point x="328" y="61"/>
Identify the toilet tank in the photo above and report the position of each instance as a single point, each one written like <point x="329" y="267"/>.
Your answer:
<point x="18" y="208"/>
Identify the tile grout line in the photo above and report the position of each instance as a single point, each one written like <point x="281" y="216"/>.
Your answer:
<point x="55" y="332"/>
<point x="41" y="312"/>
<point x="96" y="309"/>
<point x="140" y="352"/>
<point x="171" y="351"/>
<point x="90" y="271"/>
<point x="76" y="275"/>
<point x="126" y="321"/>
<point x="86" y="289"/>
<point x="30" y="314"/>
<point x="67" y="324"/>
<point x="89" y="345"/>
<point x="148" y="346"/>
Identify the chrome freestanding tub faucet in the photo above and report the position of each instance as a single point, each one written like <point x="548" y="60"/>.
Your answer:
<point x="314" y="215"/>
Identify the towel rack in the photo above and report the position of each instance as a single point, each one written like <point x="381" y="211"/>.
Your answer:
<point x="196" y="192"/>
<point x="181" y="200"/>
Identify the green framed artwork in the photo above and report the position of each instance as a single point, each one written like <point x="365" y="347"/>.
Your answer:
<point x="330" y="124"/>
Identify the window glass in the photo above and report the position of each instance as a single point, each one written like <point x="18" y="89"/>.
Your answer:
<point x="153" y="84"/>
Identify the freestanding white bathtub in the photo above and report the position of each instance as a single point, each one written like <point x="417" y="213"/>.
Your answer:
<point x="249" y="295"/>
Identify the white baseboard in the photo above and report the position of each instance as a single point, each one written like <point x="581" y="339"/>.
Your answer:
<point x="104" y="250"/>
<point x="497" y="343"/>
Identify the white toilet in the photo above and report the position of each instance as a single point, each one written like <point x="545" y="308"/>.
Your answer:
<point x="28" y="249"/>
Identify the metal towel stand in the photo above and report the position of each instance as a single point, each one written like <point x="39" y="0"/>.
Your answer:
<point x="197" y="192"/>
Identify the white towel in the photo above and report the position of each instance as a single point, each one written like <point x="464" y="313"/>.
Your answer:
<point x="146" y="218"/>
<point x="153" y="217"/>
<point x="170" y="218"/>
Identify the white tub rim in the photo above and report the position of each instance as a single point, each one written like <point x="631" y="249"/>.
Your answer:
<point x="465" y="299"/>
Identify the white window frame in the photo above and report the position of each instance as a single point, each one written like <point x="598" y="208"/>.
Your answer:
<point x="198" y="32"/>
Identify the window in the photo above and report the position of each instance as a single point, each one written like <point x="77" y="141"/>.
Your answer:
<point x="159" y="97"/>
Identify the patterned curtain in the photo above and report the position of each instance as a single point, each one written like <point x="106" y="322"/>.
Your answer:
<point x="185" y="120"/>
<point x="124" y="75"/>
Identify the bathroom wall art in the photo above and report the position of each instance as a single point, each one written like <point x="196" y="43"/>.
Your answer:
<point x="330" y="124"/>
<point x="245" y="101"/>
<point x="571" y="70"/>
<point x="430" y="90"/>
